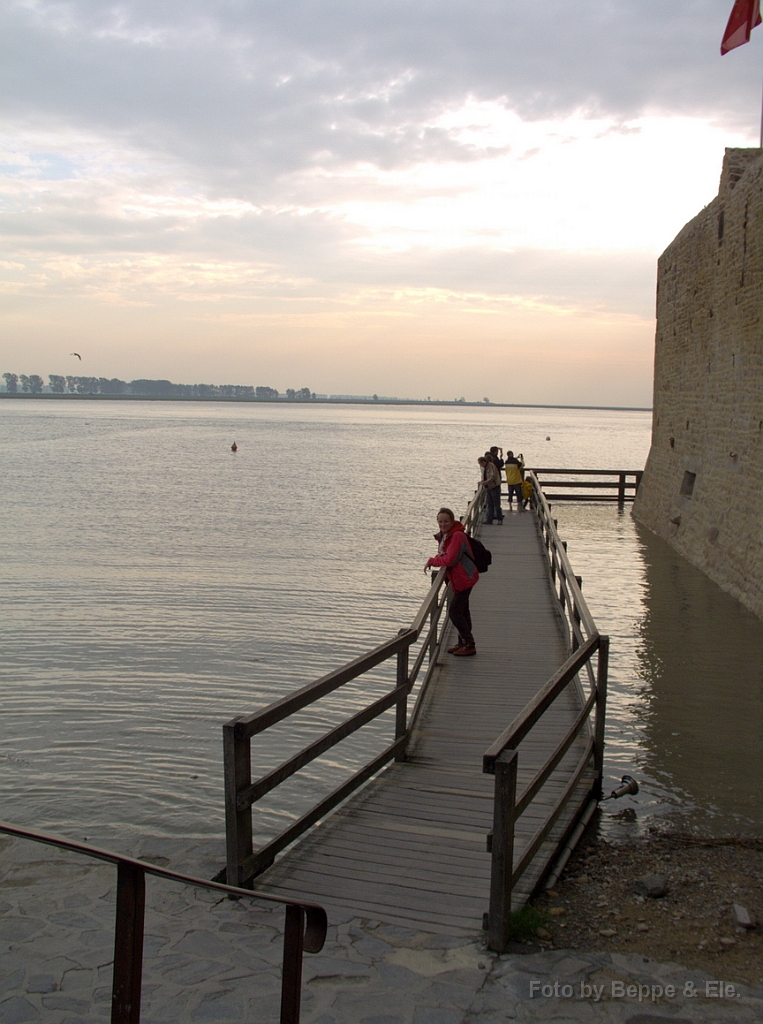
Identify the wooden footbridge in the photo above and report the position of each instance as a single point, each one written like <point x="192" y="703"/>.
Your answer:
<point x="493" y="769"/>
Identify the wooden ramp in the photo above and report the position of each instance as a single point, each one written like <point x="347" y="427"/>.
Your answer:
<point x="410" y="848"/>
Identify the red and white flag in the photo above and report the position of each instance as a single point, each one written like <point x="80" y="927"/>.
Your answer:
<point x="745" y="15"/>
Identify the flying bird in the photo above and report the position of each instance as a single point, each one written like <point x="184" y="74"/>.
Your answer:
<point x="77" y="355"/>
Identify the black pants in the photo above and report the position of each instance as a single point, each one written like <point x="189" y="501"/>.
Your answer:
<point x="460" y="615"/>
<point x="493" y="504"/>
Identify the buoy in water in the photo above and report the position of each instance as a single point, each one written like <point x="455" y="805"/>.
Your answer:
<point x="548" y="438"/>
<point x="234" y="447"/>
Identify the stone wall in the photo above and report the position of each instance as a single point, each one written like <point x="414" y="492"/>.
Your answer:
<point x="702" y="488"/>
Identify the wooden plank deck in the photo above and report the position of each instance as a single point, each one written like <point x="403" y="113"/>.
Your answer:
<point x="410" y="848"/>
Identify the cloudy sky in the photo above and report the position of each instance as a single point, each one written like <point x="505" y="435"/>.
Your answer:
<point x="440" y="197"/>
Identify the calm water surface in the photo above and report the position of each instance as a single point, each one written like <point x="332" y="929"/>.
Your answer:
<point x="154" y="585"/>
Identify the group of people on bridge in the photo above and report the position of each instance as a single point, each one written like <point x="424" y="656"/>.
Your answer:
<point x="492" y="466"/>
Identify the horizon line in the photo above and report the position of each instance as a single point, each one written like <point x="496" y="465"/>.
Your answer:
<point x="372" y="402"/>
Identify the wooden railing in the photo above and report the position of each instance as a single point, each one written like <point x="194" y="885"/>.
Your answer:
<point x="242" y="793"/>
<point x="621" y="488"/>
<point x="306" y="926"/>
<point x="501" y="760"/>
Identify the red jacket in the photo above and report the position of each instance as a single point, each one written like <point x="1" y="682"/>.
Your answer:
<point x="455" y="551"/>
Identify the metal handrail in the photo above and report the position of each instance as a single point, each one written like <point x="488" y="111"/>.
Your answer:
<point x="241" y="792"/>
<point x="306" y="925"/>
<point x="501" y="759"/>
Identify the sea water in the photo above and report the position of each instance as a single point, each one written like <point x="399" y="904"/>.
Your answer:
<point x="156" y="584"/>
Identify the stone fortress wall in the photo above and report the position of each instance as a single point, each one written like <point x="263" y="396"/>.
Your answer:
<point x="702" y="488"/>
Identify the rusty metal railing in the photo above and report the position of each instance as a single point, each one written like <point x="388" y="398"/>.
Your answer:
<point x="305" y="930"/>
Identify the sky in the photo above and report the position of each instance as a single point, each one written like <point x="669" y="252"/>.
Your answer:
<point x="442" y="198"/>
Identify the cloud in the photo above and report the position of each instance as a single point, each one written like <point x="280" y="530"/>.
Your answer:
<point x="220" y="162"/>
<point x="247" y="91"/>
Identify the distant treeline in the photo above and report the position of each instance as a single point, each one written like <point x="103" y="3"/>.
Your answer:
<point x="58" y="385"/>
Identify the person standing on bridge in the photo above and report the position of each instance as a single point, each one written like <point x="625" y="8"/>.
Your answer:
<point x="497" y="460"/>
<point x="491" y="482"/>
<point x="455" y="552"/>
<point x="496" y="454"/>
<point x="514" y="470"/>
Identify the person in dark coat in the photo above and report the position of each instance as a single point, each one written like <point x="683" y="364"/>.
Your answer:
<point x="491" y="481"/>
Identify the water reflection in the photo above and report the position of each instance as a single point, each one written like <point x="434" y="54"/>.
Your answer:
<point x="701" y="704"/>
<point x="685" y="705"/>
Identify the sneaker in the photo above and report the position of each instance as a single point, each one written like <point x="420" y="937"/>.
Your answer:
<point x="466" y="651"/>
<point x="457" y="647"/>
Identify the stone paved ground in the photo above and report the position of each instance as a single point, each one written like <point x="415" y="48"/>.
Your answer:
<point x="217" y="960"/>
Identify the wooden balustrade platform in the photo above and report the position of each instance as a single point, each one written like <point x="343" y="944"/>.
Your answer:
<point x="410" y="848"/>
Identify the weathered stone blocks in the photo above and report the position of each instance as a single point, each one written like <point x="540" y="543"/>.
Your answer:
<point x="702" y="489"/>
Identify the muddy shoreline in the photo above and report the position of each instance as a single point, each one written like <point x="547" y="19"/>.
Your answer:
<point x="593" y="906"/>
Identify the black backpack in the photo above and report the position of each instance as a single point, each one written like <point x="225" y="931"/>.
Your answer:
<point x="482" y="557"/>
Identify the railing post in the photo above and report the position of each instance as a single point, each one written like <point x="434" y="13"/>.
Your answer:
<point x="291" y="979"/>
<point x="401" y="708"/>
<point x="128" y="945"/>
<point x="576" y="616"/>
<point x="601" y="710"/>
<point x="237" y="764"/>
<point x="621" y="490"/>
<point x="502" y="862"/>
<point x="433" y="630"/>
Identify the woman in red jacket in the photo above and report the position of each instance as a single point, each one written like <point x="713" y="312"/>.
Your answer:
<point x="455" y="552"/>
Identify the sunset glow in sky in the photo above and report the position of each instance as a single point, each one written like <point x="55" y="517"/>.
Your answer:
<point x="438" y="199"/>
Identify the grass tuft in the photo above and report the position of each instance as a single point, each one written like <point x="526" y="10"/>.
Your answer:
<point x="526" y="922"/>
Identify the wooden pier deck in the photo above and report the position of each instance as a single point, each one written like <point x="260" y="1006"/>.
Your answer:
<point x="410" y="848"/>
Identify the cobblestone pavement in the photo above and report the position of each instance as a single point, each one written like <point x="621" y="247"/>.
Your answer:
<point x="217" y="960"/>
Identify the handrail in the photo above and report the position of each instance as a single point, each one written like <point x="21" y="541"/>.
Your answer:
<point x="501" y="758"/>
<point x="306" y="925"/>
<point x="247" y="797"/>
<point x="556" y="810"/>
<point x="626" y="488"/>
<point x="535" y="785"/>
<point x="511" y="737"/>
<point x="421" y="616"/>
<point x="250" y="725"/>
<point x="242" y="792"/>
<point x="264" y="857"/>
<point x="608" y="484"/>
<point x="592" y="472"/>
<point x="554" y="544"/>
